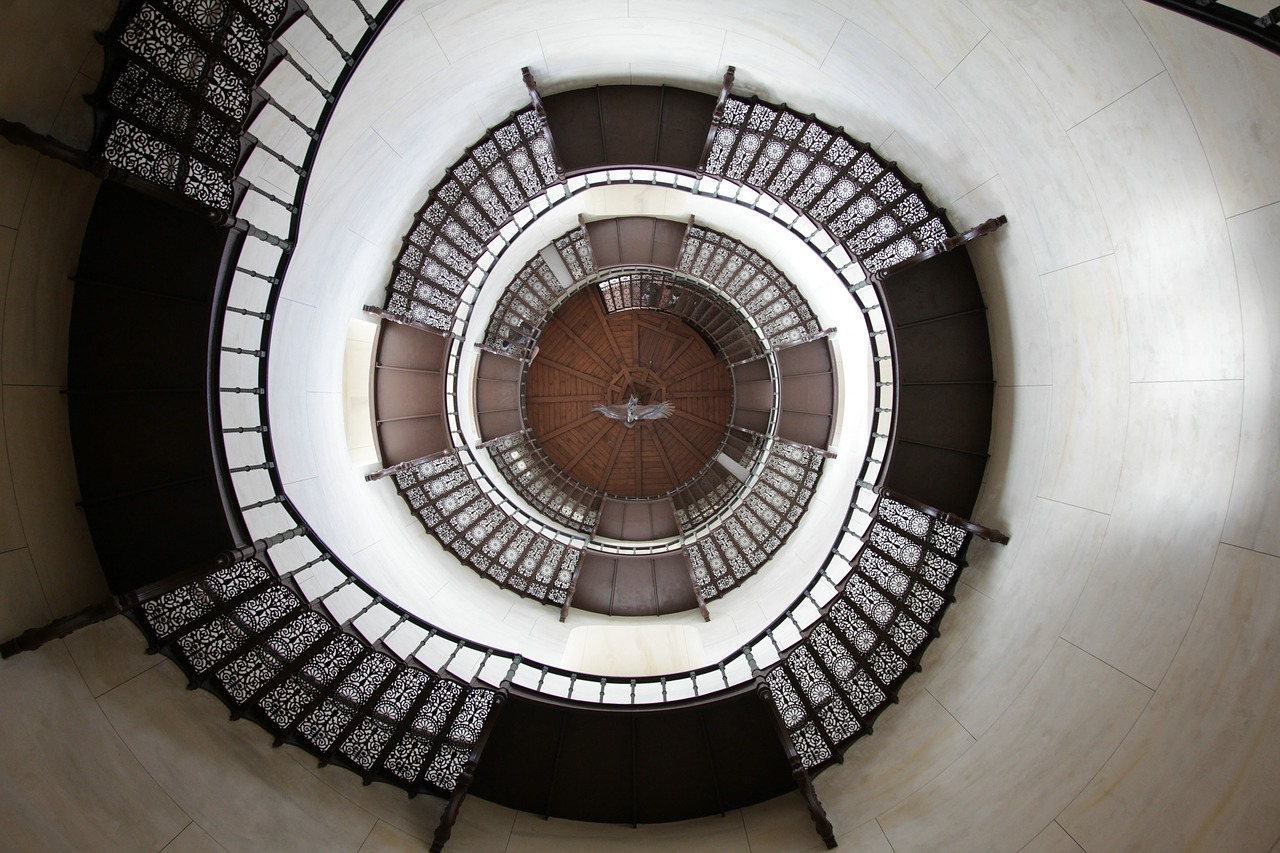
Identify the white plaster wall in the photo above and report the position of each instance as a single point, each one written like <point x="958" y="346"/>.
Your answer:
<point x="1108" y="681"/>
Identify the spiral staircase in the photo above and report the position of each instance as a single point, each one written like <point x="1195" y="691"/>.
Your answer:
<point x="168" y="448"/>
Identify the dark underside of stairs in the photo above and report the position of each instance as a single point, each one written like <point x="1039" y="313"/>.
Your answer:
<point x="947" y="387"/>
<point x="621" y="765"/>
<point x="629" y="126"/>
<point x="136" y="387"/>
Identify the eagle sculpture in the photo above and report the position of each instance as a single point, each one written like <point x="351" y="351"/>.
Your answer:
<point x="631" y="412"/>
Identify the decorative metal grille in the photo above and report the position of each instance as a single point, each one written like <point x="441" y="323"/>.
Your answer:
<point x="452" y="507"/>
<point x="759" y="525"/>
<point x="705" y="497"/>
<point x="661" y="290"/>
<point x="522" y="309"/>
<point x="861" y="199"/>
<point x="178" y="91"/>
<point x="574" y="249"/>
<point x="829" y="689"/>
<point x="478" y="195"/>
<point x="246" y="633"/>
<point x="536" y="478"/>
<point x="752" y="281"/>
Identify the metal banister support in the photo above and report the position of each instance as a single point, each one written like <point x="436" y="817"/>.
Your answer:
<point x="34" y="638"/>
<point x="1262" y="30"/>
<point x="821" y="823"/>
<point x="947" y="245"/>
<point x="535" y="98"/>
<point x="726" y="89"/>
<point x="971" y="527"/>
<point x="383" y="314"/>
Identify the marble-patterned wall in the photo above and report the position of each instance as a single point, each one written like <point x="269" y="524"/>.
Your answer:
<point x="1105" y="682"/>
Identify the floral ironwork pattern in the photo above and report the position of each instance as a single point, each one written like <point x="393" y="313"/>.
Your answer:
<point x="453" y="509"/>
<point x="180" y="95"/>
<point x="247" y="634"/>
<point x="828" y="690"/>
<point x="478" y="195"/>
<point x="840" y="183"/>
<point x="752" y="281"/>
<point x="756" y="529"/>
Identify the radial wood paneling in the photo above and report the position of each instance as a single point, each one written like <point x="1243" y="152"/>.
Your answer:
<point x="587" y="358"/>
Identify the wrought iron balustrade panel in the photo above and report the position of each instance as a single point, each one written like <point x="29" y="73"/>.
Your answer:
<point x="179" y="89"/>
<point x="783" y="315"/>
<point x="245" y="633"/>
<point x="536" y="479"/>
<point x="445" y="498"/>
<point x="704" y="498"/>
<point x="756" y="529"/>
<point x="840" y="183"/>
<point x="478" y="195"/>
<point x="574" y="249"/>
<point x="523" y="308"/>
<point x="849" y="666"/>
<point x="660" y="290"/>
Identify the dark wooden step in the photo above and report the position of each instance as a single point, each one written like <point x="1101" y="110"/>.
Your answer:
<point x="629" y="126"/>
<point x="634" y="586"/>
<point x="633" y="240"/>
<point x="138" y="405"/>
<point x="625" y="765"/>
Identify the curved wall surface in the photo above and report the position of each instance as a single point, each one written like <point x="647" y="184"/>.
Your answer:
<point x="1105" y="682"/>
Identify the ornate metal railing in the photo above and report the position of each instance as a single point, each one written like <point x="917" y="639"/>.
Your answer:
<point x="251" y="460"/>
<point x="239" y="365"/>
<point x="383" y="622"/>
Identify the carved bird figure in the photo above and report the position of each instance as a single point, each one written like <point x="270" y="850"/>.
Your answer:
<point x="631" y="412"/>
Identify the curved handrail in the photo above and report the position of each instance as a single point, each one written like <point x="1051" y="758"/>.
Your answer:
<point x="1262" y="30"/>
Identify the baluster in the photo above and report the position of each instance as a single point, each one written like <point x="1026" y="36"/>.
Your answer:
<point x="516" y="660"/>
<point x="257" y="233"/>
<point x="271" y="500"/>
<point x="413" y="656"/>
<point x="346" y="57"/>
<point x="324" y="598"/>
<point x="311" y="132"/>
<point x="257" y="143"/>
<point x="483" y="662"/>
<point x="245" y="311"/>
<point x="362" y="611"/>
<point x="325" y="93"/>
<point x="269" y="279"/>
<point x="364" y="13"/>
<point x="308" y="564"/>
<point x="457" y="648"/>
<point x="382" y="640"/>
<point x="289" y="206"/>
<point x="261" y="466"/>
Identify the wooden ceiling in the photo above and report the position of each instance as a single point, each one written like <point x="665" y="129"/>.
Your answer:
<point x="587" y="358"/>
